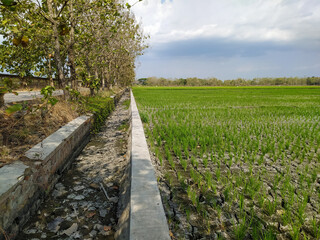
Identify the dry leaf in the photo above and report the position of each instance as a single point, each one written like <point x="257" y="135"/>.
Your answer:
<point x="107" y="228"/>
<point x="90" y="214"/>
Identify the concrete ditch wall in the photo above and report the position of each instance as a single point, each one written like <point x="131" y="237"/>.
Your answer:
<point x="147" y="219"/>
<point x="24" y="185"/>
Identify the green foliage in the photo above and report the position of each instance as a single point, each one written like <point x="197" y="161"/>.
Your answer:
<point x="14" y="108"/>
<point x="7" y="86"/>
<point x="144" y="117"/>
<point x="8" y="3"/>
<point x="46" y="37"/>
<point x="100" y="108"/>
<point x="47" y="95"/>
<point x="126" y="103"/>
<point x="92" y="83"/>
<point x="74" y="94"/>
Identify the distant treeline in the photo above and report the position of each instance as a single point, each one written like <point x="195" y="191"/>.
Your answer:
<point x="288" y="81"/>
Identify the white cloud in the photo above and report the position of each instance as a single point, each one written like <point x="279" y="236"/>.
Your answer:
<point x="245" y="20"/>
<point x="230" y="38"/>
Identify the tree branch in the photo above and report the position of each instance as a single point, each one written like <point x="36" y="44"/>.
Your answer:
<point x="65" y="3"/>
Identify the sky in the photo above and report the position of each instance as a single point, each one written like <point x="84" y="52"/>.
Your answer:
<point x="229" y="39"/>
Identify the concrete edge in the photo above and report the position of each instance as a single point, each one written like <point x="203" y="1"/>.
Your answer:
<point x="147" y="218"/>
<point x="46" y="148"/>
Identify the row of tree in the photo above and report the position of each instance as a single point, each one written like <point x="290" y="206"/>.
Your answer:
<point x="291" y="81"/>
<point x="95" y="41"/>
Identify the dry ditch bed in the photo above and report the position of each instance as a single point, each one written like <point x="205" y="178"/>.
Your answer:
<point x="24" y="185"/>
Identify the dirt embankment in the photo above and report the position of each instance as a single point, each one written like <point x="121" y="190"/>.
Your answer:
<point x="24" y="129"/>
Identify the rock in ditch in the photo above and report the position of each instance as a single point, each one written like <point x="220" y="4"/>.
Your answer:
<point x="71" y="230"/>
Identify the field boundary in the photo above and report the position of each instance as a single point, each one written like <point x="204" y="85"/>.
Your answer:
<point x="147" y="217"/>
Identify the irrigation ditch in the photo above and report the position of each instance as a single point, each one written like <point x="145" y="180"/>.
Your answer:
<point x="73" y="187"/>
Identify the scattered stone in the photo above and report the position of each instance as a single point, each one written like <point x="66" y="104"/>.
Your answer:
<point x="71" y="230"/>
<point x="71" y="196"/>
<point x="74" y="204"/>
<point x="92" y="208"/>
<point x="40" y="226"/>
<point x="76" y="235"/>
<point x="30" y="231"/>
<point x="54" y="225"/>
<point x="44" y="235"/>
<point x="93" y="233"/>
<point x="65" y="225"/>
<point x="78" y="188"/>
<point x="114" y="199"/>
<point x="94" y="186"/>
<point x="215" y="236"/>
<point x="103" y="213"/>
<point x="79" y="197"/>
<point x="109" y="185"/>
<point x="59" y="186"/>
<point x="58" y="193"/>
<point x="98" y="227"/>
<point x="87" y="191"/>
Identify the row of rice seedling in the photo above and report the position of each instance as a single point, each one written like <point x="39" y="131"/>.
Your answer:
<point x="240" y="162"/>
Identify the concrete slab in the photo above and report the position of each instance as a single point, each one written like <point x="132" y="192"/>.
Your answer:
<point x="10" y="175"/>
<point x="44" y="149"/>
<point x="147" y="217"/>
<point x="26" y="96"/>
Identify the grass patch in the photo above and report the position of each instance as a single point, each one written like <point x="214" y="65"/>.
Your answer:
<point x="124" y="127"/>
<point x="126" y="103"/>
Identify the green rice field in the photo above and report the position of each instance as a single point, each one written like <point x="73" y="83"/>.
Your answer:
<point x="237" y="162"/>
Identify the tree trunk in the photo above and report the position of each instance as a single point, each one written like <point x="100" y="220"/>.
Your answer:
<point x="1" y="99"/>
<point x="50" y="72"/>
<point x="71" y="54"/>
<point x="103" y="80"/>
<point x="96" y="75"/>
<point x="55" y="36"/>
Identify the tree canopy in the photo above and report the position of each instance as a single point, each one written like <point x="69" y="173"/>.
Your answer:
<point x="95" y="41"/>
